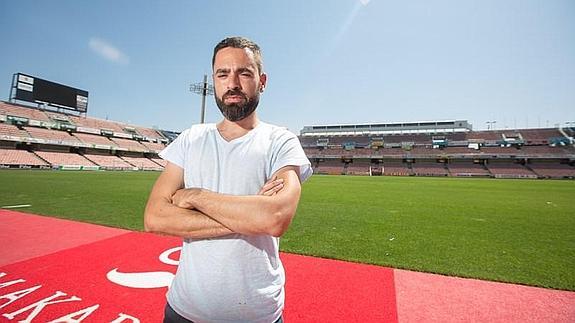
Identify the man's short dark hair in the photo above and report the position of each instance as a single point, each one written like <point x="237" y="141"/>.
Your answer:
<point x="240" y="42"/>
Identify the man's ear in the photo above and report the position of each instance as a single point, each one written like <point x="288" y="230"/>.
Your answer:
<point x="263" y="81"/>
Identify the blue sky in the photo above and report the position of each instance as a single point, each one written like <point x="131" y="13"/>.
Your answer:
<point x="345" y="61"/>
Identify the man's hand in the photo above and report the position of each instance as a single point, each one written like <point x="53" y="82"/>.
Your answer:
<point x="272" y="186"/>
<point x="184" y="198"/>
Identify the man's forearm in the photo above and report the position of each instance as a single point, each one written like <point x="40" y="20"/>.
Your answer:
<point x="247" y="214"/>
<point x="267" y="213"/>
<point x="162" y="216"/>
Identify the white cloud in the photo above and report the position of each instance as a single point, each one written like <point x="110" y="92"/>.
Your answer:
<point x="108" y="51"/>
<point x="364" y="2"/>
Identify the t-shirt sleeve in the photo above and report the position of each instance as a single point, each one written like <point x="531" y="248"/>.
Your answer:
<point x="289" y="152"/>
<point x="175" y="151"/>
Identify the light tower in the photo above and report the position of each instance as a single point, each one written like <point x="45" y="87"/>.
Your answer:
<point x="203" y="89"/>
<point x="491" y="125"/>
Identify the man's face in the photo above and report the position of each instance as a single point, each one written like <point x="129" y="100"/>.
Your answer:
<point x="237" y="82"/>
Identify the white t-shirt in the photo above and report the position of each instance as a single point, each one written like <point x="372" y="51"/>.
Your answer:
<point x="235" y="278"/>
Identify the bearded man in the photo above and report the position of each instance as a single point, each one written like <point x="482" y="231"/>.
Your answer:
<point x="230" y="190"/>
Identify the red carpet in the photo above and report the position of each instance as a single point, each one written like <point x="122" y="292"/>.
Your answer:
<point x="322" y="290"/>
<point x="81" y="272"/>
<point x="434" y="298"/>
<point x="24" y="236"/>
<point x="81" y="277"/>
<point x="55" y="269"/>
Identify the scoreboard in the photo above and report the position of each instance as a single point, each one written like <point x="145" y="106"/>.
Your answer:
<point x="32" y="89"/>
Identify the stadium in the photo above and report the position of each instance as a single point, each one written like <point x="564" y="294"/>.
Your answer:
<point x="32" y="137"/>
<point x="440" y="137"/>
<point x="406" y="216"/>
<point x="439" y="148"/>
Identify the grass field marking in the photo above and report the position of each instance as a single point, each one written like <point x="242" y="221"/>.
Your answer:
<point x="15" y="206"/>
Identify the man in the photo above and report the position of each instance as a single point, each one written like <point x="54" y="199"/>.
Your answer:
<point x="230" y="190"/>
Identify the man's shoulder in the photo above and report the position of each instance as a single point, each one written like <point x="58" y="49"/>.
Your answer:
<point x="198" y="130"/>
<point x="275" y="131"/>
<point x="202" y="127"/>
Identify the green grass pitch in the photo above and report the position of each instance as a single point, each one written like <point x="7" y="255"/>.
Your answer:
<point x="520" y="231"/>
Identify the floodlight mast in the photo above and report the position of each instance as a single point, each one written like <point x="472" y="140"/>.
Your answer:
<point x="491" y="125"/>
<point x="203" y="89"/>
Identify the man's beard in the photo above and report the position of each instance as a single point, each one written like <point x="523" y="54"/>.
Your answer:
<point x="237" y="111"/>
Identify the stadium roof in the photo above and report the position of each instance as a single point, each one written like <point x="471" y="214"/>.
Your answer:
<point x="439" y="126"/>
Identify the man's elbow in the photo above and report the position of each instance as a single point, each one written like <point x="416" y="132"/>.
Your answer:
<point x="277" y="231"/>
<point x="148" y="225"/>
<point x="150" y="221"/>
<point x="279" y="222"/>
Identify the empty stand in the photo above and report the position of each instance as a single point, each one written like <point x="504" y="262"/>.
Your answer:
<point x="109" y="161"/>
<point x="359" y="167"/>
<point x="341" y="140"/>
<point x="467" y="168"/>
<point x="509" y="169"/>
<point x="312" y="151"/>
<point x="543" y="151"/>
<point x="96" y="123"/>
<point x="425" y="151"/>
<point x="391" y="152"/>
<point x="458" y="136"/>
<point x="129" y="144"/>
<point x="484" y="135"/>
<point x="149" y="133"/>
<point x="153" y="146"/>
<point x="12" y="131"/>
<point x="159" y="161"/>
<point x="142" y="163"/>
<point x="308" y="141"/>
<point x="64" y="159"/>
<point x="94" y="139"/>
<point x="20" y="158"/>
<point x="531" y="154"/>
<point x="59" y="117"/>
<point x="395" y="168"/>
<point x="552" y="169"/>
<point x="502" y="150"/>
<point x="23" y="112"/>
<point x="415" y="138"/>
<point x="540" y="136"/>
<point x="460" y="151"/>
<point x="429" y="168"/>
<point x="45" y="141"/>
<point x="51" y="135"/>
<point x="330" y="167"/>
<point x="365" y="140"/>
<point x="337" y="152"/>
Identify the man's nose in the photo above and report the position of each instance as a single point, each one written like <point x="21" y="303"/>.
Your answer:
<point x="234" y="82"/>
